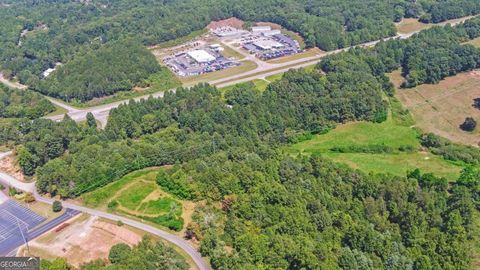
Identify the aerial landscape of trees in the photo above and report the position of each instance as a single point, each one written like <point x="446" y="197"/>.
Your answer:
<point x="37" y="35"/>
<point x="111" y="68"/>
<point x="228" y="151"/>
<point x="16" y="103"/>
<point x="262" y="207"/>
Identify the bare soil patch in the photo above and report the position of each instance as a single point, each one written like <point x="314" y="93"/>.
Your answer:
<point x="232" y="22"/>
<point x="9" y="166"/>
<point x="441" y="108"/>
<point x="86" y="239"/>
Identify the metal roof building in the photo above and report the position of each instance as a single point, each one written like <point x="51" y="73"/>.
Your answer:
<point x="271" y="33"/>
<point x="268" y="44"/>
<point x="261" y="28"/>
<point x="201" y="56"/>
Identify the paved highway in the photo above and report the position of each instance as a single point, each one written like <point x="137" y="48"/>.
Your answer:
<point x="8" y="180"/>
<point x="101" y="112"/>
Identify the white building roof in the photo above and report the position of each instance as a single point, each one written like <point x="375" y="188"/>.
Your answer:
<point x="271" y="33"/>
<point x="215" y="45"/>
<point x="261" y="28"/>
<point x="268" y="44"/>
<point x="201" y="56"/>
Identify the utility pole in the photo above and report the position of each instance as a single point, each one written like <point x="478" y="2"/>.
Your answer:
<point x="23" y="236"/>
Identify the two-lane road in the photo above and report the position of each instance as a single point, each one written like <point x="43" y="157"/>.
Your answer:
<point x="8" y="180"/>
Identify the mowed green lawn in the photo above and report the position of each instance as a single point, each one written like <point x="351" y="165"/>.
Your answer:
<point x="387" y="133"/>
<point x="361" y="133"/>
<point x="138" y="195"/>
<point x="398" y="163"/>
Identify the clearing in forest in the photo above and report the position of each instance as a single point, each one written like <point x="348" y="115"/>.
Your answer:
<point x="441" y="108"/>
<point x="84" y="239"/>
<point x="475" y="42"/>
<point x="410" y="25"/>
<point x="388" y="147"/>
<point x="138" y="195"/>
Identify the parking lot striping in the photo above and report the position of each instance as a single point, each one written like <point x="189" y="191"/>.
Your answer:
<point x="15" y="219"/>
<point x="10" y="232"/>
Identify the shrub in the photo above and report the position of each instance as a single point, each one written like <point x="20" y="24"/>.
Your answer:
<point x="12" y="191"/>
<point x="118" y="253"/>
<point x="29" y="197"/>
<point x="112" y="205"/>
<point x="57" y="206"/>
<point x="174" y="184"/>
<point x="469" y="124"/>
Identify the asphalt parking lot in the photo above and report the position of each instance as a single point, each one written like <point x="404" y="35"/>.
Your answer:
<point x="17" y="222"/>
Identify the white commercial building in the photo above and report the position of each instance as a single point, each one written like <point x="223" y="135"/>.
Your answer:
<point x="268" y="44"/>
<point x="271" y="33"/>
<point x="201" y="56"/>
<point x="261" y="28"/>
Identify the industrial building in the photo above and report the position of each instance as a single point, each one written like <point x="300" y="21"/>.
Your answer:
<point x="201" y="56"/>
<point x="199" y="61"/>
<point x="256" y="29"/>
<point x="268" y="44"/>
<point x="271" y="33"/>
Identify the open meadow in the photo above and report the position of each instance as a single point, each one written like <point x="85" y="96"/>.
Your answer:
<point x="138" y="195"/>
<point x="410" y="25"/>
<point x="441" y="108"/>
<point x="475" y="42"/>
<point x="357" y="145"/>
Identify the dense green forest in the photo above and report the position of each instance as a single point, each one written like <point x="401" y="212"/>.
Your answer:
<point x="426" y="57"/>
<point x="113" y="67"/>
<point x="34" y="35"/>
<point x="16" y="103"/>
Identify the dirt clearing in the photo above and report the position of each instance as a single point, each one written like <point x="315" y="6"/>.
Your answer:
<point x="441" y="108"/>
<point x="231" y="22"/>
<point x="85" y="239"/>
<point x="9" y="166"/>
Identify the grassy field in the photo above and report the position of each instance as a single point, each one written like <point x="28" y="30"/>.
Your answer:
<point x="394" y="133"/>
<point x="409" y="25"/>
<point x="398" y="164"/>
<point x="262" y="84"/>
<point x="244" y="67"/>
<point x="475" y="42"/>
<point x="441" y="108"/>
<point x="288" y="58"/>
<point x="58" y="111"/>
<point x="361" y="133"/>
<point x="137" y="195"/>
<point x="229" y="52"/>
<point x="259" y="84"/>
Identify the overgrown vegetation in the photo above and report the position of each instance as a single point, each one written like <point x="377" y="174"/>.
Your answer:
<point x="23" y="104"/>
<point x="451" y="151"/>
<point x="138" y="195"/>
